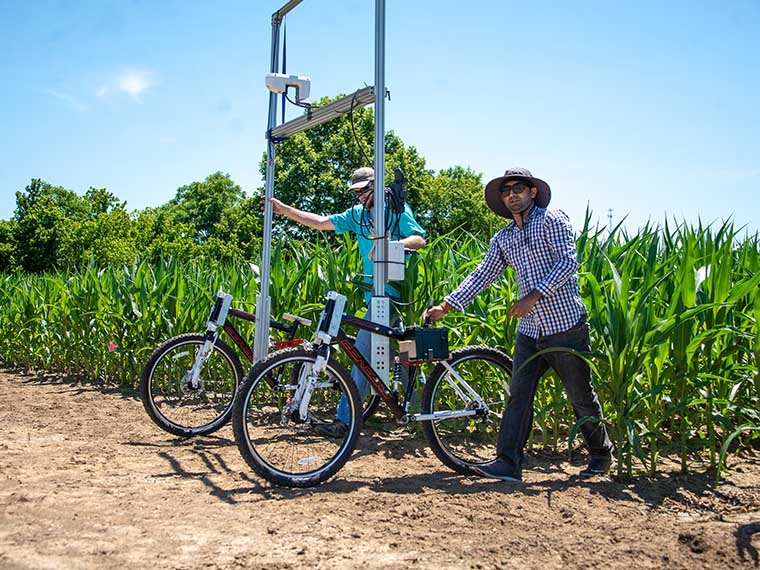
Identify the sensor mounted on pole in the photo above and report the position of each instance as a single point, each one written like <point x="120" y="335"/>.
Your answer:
<point x="280" y="82"/>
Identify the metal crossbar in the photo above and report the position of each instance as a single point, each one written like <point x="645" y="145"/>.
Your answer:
<point x="319" y="115"/>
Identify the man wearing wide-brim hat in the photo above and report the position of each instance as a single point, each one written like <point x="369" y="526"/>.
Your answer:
<point x="540" y="247"/>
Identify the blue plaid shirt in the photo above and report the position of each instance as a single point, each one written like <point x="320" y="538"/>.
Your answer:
<point x="543" y="256"/>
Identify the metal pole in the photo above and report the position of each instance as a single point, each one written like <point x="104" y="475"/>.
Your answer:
<point x="263" y="301"/>
<point x="380" y="303"/>
<point x="379" y="210"/>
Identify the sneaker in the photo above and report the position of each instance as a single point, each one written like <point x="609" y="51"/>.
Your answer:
<point x="597" y="466"/>
<point x="336" y="429"/>
<point x="498" y="469"/>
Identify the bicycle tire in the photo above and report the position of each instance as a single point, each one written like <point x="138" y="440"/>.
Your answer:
<point x="464" y="442"/>
<point x="284" y="450"/>
<point x="183" y="413"/>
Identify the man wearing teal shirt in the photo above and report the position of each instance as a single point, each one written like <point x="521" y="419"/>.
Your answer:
<point x="358" y="220"/>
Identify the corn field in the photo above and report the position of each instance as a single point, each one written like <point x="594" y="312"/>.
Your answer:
<point x="674" y="315"/>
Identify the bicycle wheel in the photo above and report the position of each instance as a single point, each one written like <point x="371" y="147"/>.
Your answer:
<point x="281" y="447"/>
<point x="168" y="397"/>
<point x="461" y="442"/>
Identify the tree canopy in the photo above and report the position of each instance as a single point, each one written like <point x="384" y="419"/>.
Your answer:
<point x="53" y="227"/>
<point x="454" y="200"/>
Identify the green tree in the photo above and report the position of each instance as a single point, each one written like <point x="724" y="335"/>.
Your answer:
<point x="103" y="232"/>
<point x="454" y="200"/>
<point x="106" y="239"/>
<point x="41" y="210"/>
<point x="312" y="167"/>
<point x="100" y="201"/>
<point x="160" y="233"/>
<point x="54" y="227"/>
<point x="237" y="235"/>
<point x="202" y="204"/>
<point x="7" y="245"/>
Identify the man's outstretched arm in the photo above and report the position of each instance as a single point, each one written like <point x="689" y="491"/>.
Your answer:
<point x="308" y="219"/>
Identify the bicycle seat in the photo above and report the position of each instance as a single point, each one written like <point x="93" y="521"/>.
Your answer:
<point x="297" y="319"/>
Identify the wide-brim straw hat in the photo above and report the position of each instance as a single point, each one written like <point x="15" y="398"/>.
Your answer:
<point x="492" y="192"/>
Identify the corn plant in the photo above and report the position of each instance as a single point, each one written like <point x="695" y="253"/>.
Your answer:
<point x="674" y="314"/>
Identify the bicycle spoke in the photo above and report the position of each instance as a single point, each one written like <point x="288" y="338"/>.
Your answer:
<point x="463" y="441"/>
<point x="173" y="402"/>
<point x="275" y="440"/>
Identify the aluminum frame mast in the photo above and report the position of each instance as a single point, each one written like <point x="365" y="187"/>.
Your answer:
<point x="380" y="303"/>
<point x="264" y="301"/>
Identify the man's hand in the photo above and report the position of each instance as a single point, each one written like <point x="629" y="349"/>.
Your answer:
<point x="437" y="312"/>
<point x="413" y="242"/>
<point x="277" y="206"/>
<point x="525" y="305"/>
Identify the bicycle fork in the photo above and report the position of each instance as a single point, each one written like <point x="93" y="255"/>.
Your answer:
<point x="328" y="327"/>
<point x="307" y="383"/>
<point x="216" y="320"/>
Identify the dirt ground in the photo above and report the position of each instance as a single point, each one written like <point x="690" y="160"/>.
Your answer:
<point x="87" y="481"/>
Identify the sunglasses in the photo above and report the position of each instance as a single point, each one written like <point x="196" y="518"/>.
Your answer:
<point x="518" y="188"/>
<point x="363" y="191"/>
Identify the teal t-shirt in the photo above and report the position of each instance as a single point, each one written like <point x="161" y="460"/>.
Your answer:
<point x="359" y="221"/>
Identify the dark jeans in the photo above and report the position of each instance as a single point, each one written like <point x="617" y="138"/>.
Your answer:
<point x="576" y="377"/>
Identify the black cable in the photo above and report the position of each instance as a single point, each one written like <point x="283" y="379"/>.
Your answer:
<point x="364" y="227"/>
<point x="392" y="225"/>
<point x="425" y="287"/>
<point x="353" y="127"/>
<point x="392" y="220"/>
<point x="308" y="106"/>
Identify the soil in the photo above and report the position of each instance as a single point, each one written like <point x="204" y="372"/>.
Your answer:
<point x="87" y="481"/>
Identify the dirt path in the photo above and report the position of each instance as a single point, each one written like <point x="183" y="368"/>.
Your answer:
<point x="87" y="481"/>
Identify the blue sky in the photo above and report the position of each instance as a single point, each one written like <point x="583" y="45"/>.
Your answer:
<point x="646" y="108"/>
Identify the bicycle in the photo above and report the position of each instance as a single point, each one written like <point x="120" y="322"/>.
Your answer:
<point x="189" y="381"/>
<point x="286" y="397"/>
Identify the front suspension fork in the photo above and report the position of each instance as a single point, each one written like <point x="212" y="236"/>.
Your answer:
<point x="307" y="382"/>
